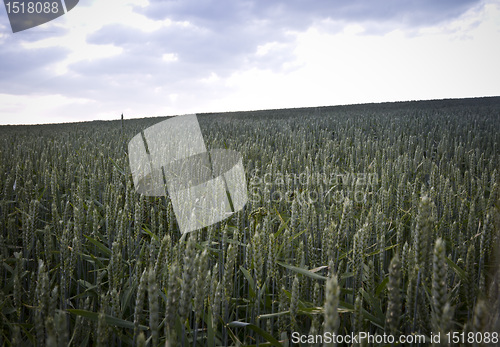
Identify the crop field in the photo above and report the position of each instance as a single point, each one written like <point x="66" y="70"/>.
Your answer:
<point x="376" y="218"/>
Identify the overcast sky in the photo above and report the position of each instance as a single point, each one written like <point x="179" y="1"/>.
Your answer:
<point x="160" y="58"/>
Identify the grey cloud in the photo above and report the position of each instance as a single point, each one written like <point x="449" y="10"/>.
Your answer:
<point x="127" y="79"/>
<point x="199" y="51"/>
<point x="21" y="68"/>
<point x="224" y="34"/>
<point x="297" y="14"/>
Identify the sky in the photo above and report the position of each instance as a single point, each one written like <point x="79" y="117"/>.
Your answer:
<point x="162" y="58"/>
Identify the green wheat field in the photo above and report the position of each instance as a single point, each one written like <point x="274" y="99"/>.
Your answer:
<point x="377" y="218"/>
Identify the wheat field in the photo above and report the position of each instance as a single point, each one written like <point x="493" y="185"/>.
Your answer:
<point x="381" y="218"/>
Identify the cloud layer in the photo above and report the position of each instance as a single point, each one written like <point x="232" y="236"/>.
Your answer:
<point x="174" y="56"/>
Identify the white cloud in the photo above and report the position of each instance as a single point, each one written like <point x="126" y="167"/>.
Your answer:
<point x="170" y="57"/>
